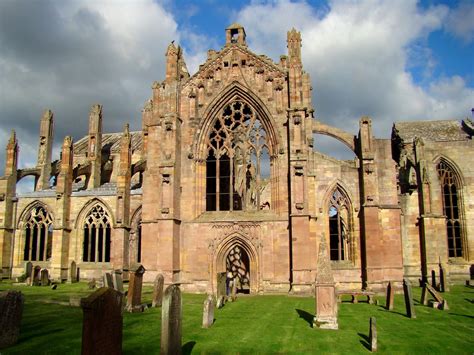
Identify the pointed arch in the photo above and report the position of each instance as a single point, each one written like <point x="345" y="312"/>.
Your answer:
<point x="88" y="206"/>
<point x="235" y="91"/>
<point x="37" y="232"/>
<point x="227" y="246"/>
<point x="451" y="189"/>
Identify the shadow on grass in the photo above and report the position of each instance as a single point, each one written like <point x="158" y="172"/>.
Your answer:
<point x="306" y="316"/>
<point x="365" y="340"/>
<point x="395" y="312"/>
<point x="461" y="315"/>
<point x="188" y="347"/>
<point x="470" y="301"/>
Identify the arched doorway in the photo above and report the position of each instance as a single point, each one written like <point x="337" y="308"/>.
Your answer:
<point x="238" y="258"/>
<point x="238" y="269"/>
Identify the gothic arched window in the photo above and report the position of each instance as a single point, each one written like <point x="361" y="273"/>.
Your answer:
<point x="97" y="236"/>
<point x="238" y="161"/>
<point x="339" y="226"/>
<point x="450" y="186"/>
<point x="38" y="235"/>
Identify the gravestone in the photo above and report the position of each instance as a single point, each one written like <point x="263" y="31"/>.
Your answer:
<point x="91" y="284"/>
<point x="36" y="280"/>
<point x="221" y="288"/>
<point x="208" y="312"/>
<point x="73" y="272"/>
<point x="440" y="302"/>
<point x="220" y="302"/>
<point x="102" y="324"/>
<point x="11" y="311"/>
<point x="233" y="295"/>
<point x="171" y="316"/>
<point x="390" y="296"/>
<point x="44" y="277"/>
<point x="424" y="295"/>
<point x="158" y="291"/>
<point x="118" y="281"/>
<point x="28" y="269"/>
<point x="410" y="307"/>
<point x="373" y="334"/>
<point x="108" y="281"/>
<point x="134" y="296"/>
<point x="443" y="279"/>
<point x="325" y="292"/>
<point x="433" y="279"/>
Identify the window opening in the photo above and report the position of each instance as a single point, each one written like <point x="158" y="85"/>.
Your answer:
<point x="338" y="226"/>
<point x="238" y="163"/>
<point x="38" y="235"/>
<point x="449" y="190"/>
<point x="97" y="236"/>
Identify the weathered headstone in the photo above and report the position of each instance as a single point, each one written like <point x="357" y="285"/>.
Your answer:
<point x="44" y="277"/>
<point x="434" y="283"/>
<point x="443" y="279"/>
<point x="221" y="288"/>
<point x="29" y="269"/>
<point x="91" y="284"/>
<point x="171" y="316"/>
<point x="220" y="302"/>
<point x="158" y="291"/>
<point x="373" y="334"/>
<point x="134" y="296"/>
<point x="36" y="280"/>
<point x="233" y="295"/>
<point x="117" y="280"/>
<point x="102" y="324"/>
<point x="11" y="311"/>
<point x="208" y="312"/>
<point x="410" y="307"/>
<point x="73" y="272"/>
<point x="108" y="281"/>
<point x="325" y="291"/>
<point x="390" y="296"/>
<point x="424" y="295"/>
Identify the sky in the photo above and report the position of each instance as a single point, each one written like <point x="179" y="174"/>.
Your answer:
<point x="391" y="60"/>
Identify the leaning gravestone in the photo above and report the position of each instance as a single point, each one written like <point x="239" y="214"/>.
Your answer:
<point x="73" y="272"/>
<point x="208" y="312"/>
<point x="44" y="277"/>
<point x="390" y="296"/>
<point x="117" y="280"/>
<point x="443" y="280"/>
<point x="171" y="316"/>
<point x="108" y="281"/>
<point x="158" y="291"/>
<point x="102" y="324"/>
<point x="410" y="307"/>
<point x="28" y="269"/>
<point x="325" y="291"/>
<point x="134" y="295"/>
<point x="221" y="288"/>
<point x="373" y="334"/>
<point x="11" y="311"/>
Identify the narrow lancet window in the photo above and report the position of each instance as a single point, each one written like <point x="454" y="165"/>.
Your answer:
<point x="450" y="186"/>
<point x="339" y="235"/>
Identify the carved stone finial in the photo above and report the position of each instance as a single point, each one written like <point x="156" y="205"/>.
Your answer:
<point x="47" y="115"/>
<point x="12" y="139"/>
<point x="126" y="129"/>
<point x="67" y="141"/>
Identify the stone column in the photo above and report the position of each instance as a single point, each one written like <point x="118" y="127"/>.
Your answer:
<point x="95" y="146"/>
<point x="7" y="198"/>
<point x="44" y="150"/>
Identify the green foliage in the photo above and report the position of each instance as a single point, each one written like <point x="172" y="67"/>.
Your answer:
<point x="254" y="324"/>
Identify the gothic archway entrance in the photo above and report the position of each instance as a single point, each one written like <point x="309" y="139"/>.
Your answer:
<point x="238" y="269"/>
<point x="236" y="256"/>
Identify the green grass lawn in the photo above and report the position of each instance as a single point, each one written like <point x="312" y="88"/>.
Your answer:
<point x="254" y="324"/>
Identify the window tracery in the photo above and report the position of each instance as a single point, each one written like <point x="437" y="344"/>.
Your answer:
<point x="97" y="236"/>
<point x="450" y="187"/>
<point x="38" y="235"/>
<point x="238" y="162"/>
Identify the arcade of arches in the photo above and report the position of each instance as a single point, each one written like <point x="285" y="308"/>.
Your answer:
<point x="224" y="176"/>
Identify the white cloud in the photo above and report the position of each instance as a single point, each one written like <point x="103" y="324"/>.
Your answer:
<point x="358" y="55"/>
<point x="460" y="21"/>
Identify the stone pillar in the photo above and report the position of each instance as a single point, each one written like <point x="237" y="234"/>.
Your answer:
<point x="102" y="324"/>
<point x="7" y="198"/>
<point x="44" y="150"/>
<point x="171" y="318"/>
<point x="61" y="225"/>
<point x="94" y="154"/>
<point x="326" y="301"/>
<point x="122" y="212"/>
